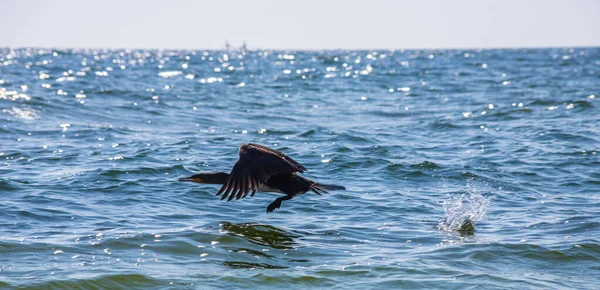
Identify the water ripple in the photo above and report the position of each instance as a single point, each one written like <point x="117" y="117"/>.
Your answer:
<point x="463" y="168"/>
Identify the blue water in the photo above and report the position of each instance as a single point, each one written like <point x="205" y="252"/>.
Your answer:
<point x="463" y="168"/>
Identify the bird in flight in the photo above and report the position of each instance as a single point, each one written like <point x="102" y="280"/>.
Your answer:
<point x="263" y="169"/>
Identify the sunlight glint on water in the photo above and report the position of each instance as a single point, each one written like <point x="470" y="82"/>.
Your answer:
<point x="463" y="168"/>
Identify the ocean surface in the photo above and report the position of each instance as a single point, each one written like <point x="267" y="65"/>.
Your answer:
<point x="464" y="169"/>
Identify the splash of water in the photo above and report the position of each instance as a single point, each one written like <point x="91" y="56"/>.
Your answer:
<point x="464" y="211"/>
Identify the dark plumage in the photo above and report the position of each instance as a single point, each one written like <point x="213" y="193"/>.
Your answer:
<point x="262" y="169"/>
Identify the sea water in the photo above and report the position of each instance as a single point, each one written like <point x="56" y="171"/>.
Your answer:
<point x="462" y="168"/>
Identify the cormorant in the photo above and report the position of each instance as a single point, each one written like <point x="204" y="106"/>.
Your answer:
<point x="260" y="168"/>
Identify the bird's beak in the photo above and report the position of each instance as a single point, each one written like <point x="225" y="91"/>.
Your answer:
<point x="191" y="178"/>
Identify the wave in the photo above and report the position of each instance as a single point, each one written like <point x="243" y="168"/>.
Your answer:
<point x="120" y="281"/>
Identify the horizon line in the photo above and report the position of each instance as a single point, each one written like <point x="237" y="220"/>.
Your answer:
<point x="304" y="49"/>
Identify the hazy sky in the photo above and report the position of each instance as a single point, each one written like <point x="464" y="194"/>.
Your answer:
<point x="306" y="24"/>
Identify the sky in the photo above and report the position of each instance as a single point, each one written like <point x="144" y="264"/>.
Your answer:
<point x="294" y="24"/>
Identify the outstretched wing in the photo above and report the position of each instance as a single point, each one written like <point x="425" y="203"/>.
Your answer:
<point x="254" y="167"/>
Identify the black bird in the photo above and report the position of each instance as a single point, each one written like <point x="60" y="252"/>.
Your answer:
<point x="260" y="168"/>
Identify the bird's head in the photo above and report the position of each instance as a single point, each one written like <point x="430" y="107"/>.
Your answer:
<point x="207" y="177"/>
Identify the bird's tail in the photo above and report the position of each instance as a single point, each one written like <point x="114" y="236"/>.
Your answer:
<point x="323" y="188"/>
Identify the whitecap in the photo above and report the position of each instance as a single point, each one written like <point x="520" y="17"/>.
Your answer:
<point x="27" y="114"/>
<point x="168" y="74"/>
